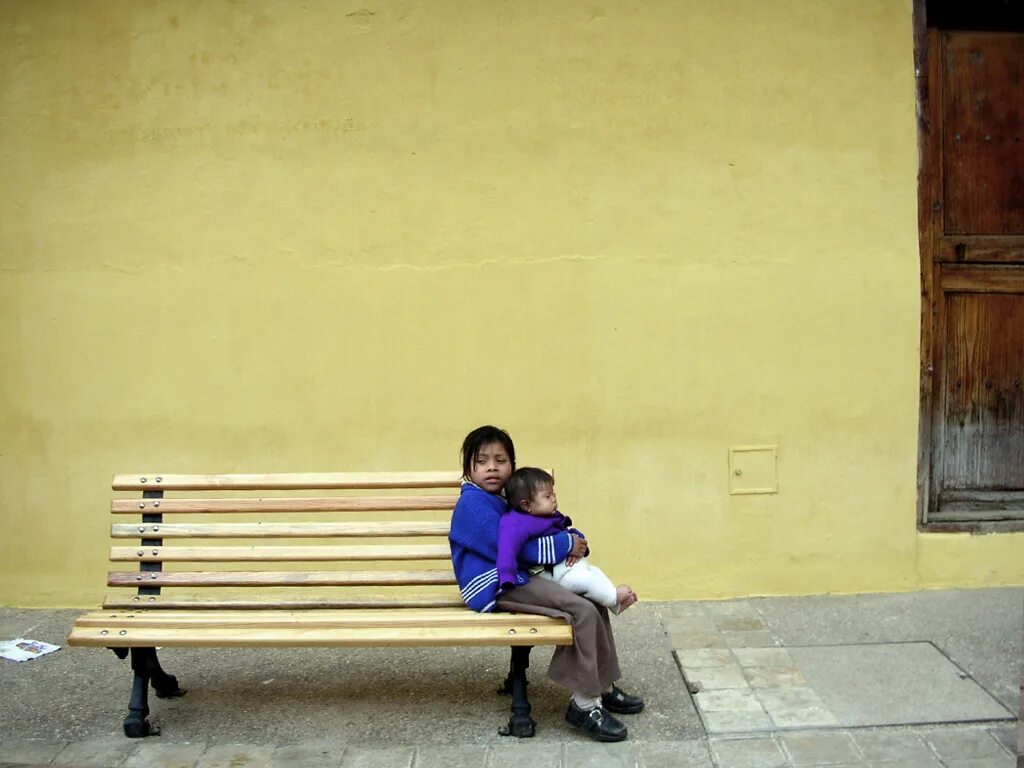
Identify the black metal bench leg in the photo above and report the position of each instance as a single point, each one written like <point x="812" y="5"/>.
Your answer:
<point x="520" y="724"/>
<point x="136" y="725"/>
<point x="164" y="685"/>
<point x="148" y="671"/>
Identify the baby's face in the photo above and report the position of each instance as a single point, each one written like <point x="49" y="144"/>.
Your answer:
<point x="544" y="501"/>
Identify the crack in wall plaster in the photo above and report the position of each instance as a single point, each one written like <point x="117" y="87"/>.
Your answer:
<point x="179" y="266"/>
<point x="521" y="262"/>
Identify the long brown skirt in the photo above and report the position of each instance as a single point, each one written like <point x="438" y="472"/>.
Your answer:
<point x="588" y="666"/>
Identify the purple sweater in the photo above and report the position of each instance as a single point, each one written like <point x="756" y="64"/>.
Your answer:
<point x="515" y="529"/>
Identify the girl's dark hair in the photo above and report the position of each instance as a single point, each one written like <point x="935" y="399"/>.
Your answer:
<point x="480" y="437"/>
<point x="523" y="484"/>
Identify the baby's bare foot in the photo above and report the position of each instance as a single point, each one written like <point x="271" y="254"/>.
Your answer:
<point x="626" y="597"/>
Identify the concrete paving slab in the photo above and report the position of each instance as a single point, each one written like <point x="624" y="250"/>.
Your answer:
<point x="236" y="756"/>
<point x="594" y="755"/>
<point x="727" y="700"/>
<point x="893" y="683"/>
<point x="155" y="753"/>
<point x="452" y="756"/>
<point x="736" y="722"/>
<point x="763" y="657"/>
<point x="891" y="746"/>
<point x="794" y="707"/>
<point x="15" y="750"/>
<point x="788" y="697"/>
<point x="314" y="754"/>
<point x="706" y="657"/>
<point x="712" y="678"/>
<point x="739" y="624"/>
<point x="756" y="639"/>
<point x="774" y="677"/>
<point x="749" y="753"/>
<point x="1007" y="736"/>
<point x="960" y="744"/>
<point x="99" y="751"/>
<point x="802" y="717"/>
<point x="517" y="753"/>
<point x="982" y="762"/>
<point x="819" y="748"/>
<point x="691" y="754"/>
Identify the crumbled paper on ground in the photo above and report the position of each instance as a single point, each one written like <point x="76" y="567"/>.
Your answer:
<point x="21" y="649"/>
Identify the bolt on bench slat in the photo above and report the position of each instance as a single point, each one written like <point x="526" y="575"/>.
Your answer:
<point x="338" y="553"/>
<point x="285" y="481"/>
<point x="275" y="530"/>
<point x="277" y="578"/>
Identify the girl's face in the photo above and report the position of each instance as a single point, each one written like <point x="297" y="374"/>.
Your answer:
<point x="491" y="467"/>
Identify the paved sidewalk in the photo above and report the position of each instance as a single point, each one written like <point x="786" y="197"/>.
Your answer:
<point x="909" y="680"/>
<point x="752" y="682"/>
<point x="949" y="746"/>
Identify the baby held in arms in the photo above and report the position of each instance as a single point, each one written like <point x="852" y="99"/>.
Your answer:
<point x="533" y="513"/>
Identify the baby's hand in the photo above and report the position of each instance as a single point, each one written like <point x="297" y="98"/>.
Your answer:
<point x="579" y="547"/>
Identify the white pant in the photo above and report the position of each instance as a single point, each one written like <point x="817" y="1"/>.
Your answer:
<point x="585" y="579"/>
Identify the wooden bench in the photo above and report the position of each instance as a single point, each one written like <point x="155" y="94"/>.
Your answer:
<point x="332" y="569"/>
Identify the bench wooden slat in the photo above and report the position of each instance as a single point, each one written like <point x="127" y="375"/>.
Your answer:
<point x="285" y="481"/>
<point x="277" y="578"/>
<point x="274" y="530"/>
<point x="281" y="554"/>
<point x="406" y="617"/>
<point x="392" y="637"/>
<point x="174" y="602"/>
<point x="294" y="504"/>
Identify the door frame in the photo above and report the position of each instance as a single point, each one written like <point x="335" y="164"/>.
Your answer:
<point x="929" y="213"/>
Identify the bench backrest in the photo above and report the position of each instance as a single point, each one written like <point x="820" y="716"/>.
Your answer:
<point x="348" y="536"/>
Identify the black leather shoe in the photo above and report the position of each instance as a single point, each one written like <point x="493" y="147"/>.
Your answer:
<point x="621" y="703"/>
<point x="596" y="723"/>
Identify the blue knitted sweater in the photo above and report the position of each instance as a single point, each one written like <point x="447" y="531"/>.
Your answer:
<point x="474" y="543"/>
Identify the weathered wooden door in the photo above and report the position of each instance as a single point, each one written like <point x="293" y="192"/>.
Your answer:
<point x="971" y="472"/>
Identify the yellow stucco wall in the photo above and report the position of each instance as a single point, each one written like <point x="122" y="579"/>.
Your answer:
<point x="259" y="236"/>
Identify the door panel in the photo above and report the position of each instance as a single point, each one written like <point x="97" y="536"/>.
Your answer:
<point x="981" y="133"/>
<point x="983" y="400"/>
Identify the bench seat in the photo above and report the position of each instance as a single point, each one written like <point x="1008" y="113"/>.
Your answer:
<point x="394" y="627"/>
